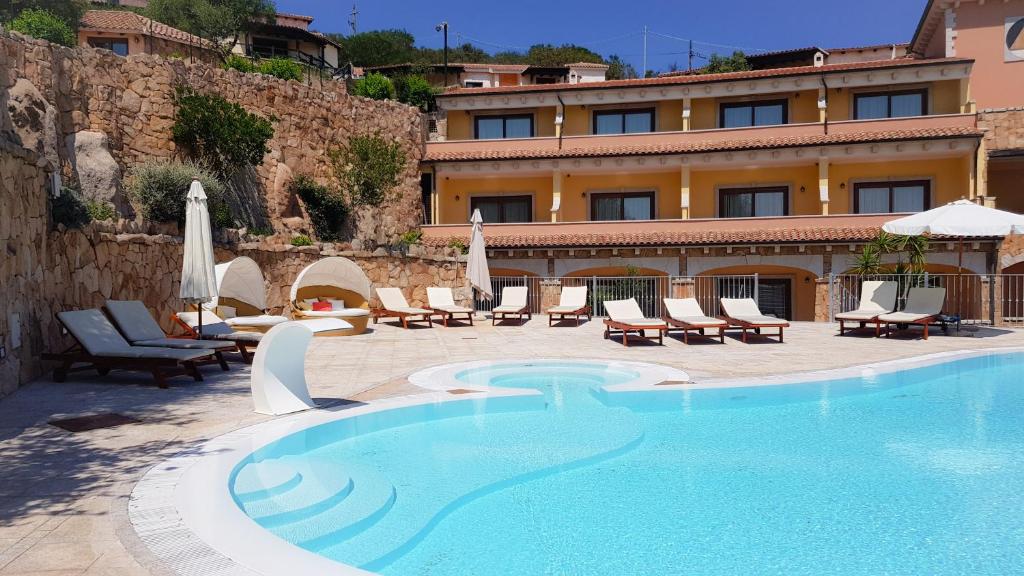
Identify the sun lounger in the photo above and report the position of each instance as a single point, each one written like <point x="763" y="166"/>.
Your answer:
<point x="100" y="346"/>
<point x="876" y="298"/>
<point x="396" y="306"/>
<point x="743" y="313"/>
<point x="514" y="302"/>
<point x="214" y="328"/>
<point x="686" y="314"/>
<point x="923" y="306"/>
<point x="571" y="302"/>
<point x="625" y="316"/>
<point x="442" y="301"/>
<point x="140" y="329"/>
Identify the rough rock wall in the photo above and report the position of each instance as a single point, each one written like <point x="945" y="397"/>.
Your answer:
<point x="1004" y="129"/>
<point x="53" y="94"/>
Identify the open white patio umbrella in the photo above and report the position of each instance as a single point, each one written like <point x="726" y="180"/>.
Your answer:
<point x="960" y="219"/>
<point x="198" y="279"/>
<point x="476" y="269"/>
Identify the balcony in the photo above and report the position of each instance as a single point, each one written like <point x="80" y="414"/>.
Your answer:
<point x="697" y="141"/>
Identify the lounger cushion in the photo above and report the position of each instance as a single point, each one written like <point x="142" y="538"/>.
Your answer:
<point x="761" y="320"/>
<point x="508" y="309"/>
<point x="261" y="321"/>
<point x="858" y="315"/>
<point x="216" y="329"/>
<point x="565" y="309"/>
<point x="392" y="299"/>
<point x="134" y="320"/>
<point x="897" y="317"/>
<point x="343" y="313"/>
<point x="227" y="312"/>
<point x="514" y="297"/>
<point x="411" y="310"/>
<point x="651" y="322"/>
<point x="185" y="344"/>
<point x="700" y="320"/>
<point x="574" y="297"/>
<point x="94" y="332"/>
<point x="454" y="309"/>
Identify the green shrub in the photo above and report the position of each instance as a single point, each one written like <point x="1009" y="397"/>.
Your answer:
<point x="326" y="207"/>
<point x="261" y="231"/>
<point x="69" y="209"/>
<point x="282" y="68"/>
<point x="301" y="240"/>
<point x="159" y="189"/>
<point x="240" y="63"/>
<point x="44" y="25"/>
<point x="100" y="210"/>
<point x="415" y="91"/>
<point x="458" y="244"/>
<point x="369" y="168"/>
<point x="221" y="134"/>
<point x="376" y="86"/>
<point x="411" y="237"/>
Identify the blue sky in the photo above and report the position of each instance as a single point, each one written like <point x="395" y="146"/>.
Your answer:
<point x="614" y="26"/>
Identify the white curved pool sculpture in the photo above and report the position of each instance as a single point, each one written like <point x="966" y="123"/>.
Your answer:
<point x="586" y="467"/>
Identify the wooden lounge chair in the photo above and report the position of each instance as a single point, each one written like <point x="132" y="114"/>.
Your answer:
<point x="140" y="329"/>
<point x="514" y="302"/>
<point x="743" y="313"/>
<point x="101" y="347"/>
<point x="625" y="316"/>
<point x="214" y="328"/>
<point x="442" y="301"/>
<point x="923" y="307"/>
<point x="396" y="306"/>
<point x="876" y="298"/>
<point x="571" y="302"/>
<point x="686" y="314"/>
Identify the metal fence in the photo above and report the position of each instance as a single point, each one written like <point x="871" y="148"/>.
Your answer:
<point x="649" y="291"/>
<point x="994" y="299"/>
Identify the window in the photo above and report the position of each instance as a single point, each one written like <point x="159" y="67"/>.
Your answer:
<point x="623" y="121"/>
<point x="115" y="45"/>
<point x="503" y="209"/>
<point x="622" y="206"/>
<point x="269" y="48"/>
<point x="887" y="197"/>
<point x="427" y="196"/>
<point x="763" y="113"/>
<point x="473" y="84"/>
<point x="751" y="202"/>
<point x="508" y="126"/>
<point x="868" y="106"/>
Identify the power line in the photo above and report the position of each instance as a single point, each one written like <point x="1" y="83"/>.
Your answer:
<point x="701" y="42"/>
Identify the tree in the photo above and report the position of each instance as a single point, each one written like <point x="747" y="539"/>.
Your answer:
<point x="718" y="64"/>
<point x="219" y="21"/>
<point x="221" y="134"/>
<point x="43" y="24"/>
<point x="619" y="70"/>
<point x="377" y="48"/>
<point x="68" y="11"/>
<point x="415" y="90"/>
<point x="550" y="55"/>
<point x="368" y="170"/>
<point x="376" y="86"/>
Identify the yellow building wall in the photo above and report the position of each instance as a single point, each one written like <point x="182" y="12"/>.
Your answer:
<point x="460" y="125"/>
<point x="670" y="115"/>
<point x="949" y="178"/>
<point x="703" y="114"/>
<point x="460" y="122"/>
<point x="575" y="189"/>
<point x="544" y="121"/>
<point x="577" y="121"/>
<point x="454" y="211"/>
<point x="704" y="187"/>
<point x="803" y="108"/>
<point x="944" y="98"/>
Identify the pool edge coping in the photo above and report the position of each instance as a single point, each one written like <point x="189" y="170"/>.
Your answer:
<point x="155" y="508"/>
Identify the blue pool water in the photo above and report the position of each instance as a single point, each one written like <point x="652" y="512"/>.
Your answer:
<point x="912" y="472"/>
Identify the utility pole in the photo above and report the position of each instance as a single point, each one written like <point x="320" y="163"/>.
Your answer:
<point x="443" y="27"/>
<point x="643" y="73"/>
<point x="352" y="18"/>
<point x="689" y="66"/>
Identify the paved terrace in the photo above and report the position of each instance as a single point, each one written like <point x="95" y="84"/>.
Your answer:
<point x="63" y="502"/>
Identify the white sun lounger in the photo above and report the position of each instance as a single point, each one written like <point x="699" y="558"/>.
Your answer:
<point x="571" y="302"/>
<point x="396" y="306"/>
<point x="214" y="328"/>
<point x="625" y="316"/>
<point x="876" y="298"/>
<point x="687" y="315"/>
<point x="442" y="301"/>
<point x="101" y="347"/>
<point x="922" y="307"/>
<point x="743" y="313"/>
<point x="514" y="302"/>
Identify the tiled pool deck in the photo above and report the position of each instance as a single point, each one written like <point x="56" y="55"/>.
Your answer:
<point x="63" y="501"/>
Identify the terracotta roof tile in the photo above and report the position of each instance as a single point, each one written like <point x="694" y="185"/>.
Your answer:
<point x="799" y="229"/>
<point x="704" y="78"/>
<point x="126" y="21"/>
<point x="673" y="143"/>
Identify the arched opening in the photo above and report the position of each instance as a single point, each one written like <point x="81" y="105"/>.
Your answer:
<point x="782" y="291"/>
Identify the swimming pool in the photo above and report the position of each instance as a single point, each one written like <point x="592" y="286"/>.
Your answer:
<point x="904" y="472"/>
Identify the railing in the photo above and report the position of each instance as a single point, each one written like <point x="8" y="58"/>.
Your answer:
<point x="994" y="299"/>
<point x="310" y="61"/>
<point x="649" y="291"/>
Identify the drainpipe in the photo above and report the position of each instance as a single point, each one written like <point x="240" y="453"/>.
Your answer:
<point x="824" y="84"/>
<point x="561" y="105"/>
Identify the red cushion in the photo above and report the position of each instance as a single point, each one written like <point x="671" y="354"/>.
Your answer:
<point x="321" y="306"/>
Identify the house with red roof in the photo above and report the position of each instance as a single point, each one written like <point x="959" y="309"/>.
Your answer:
<point x="785" y="171"/>
<point x="126" y="33"/>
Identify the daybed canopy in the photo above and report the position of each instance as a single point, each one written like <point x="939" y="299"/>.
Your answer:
<point x="334" y="271"/>
<point x="241" y="279"/>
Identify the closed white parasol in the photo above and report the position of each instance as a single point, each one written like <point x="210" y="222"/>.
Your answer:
<point x="476" y="268"/>
<point x="198" y="279"/>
